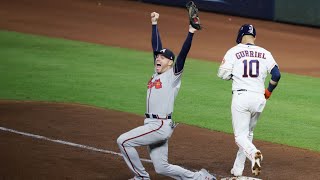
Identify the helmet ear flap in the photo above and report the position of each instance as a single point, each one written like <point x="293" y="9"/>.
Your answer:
<point x="239" y="38"/>
<point x="240" y="34"/>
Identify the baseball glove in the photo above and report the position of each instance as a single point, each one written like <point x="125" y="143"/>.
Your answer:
<point x="193" y="15"/>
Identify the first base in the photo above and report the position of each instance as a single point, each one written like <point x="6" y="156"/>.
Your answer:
<point x="240" y="178"/>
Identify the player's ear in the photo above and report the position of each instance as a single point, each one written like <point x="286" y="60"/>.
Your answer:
<point x="170" y="63"/>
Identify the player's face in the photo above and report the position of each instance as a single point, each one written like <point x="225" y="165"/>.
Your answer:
<point x="162" y="63"/>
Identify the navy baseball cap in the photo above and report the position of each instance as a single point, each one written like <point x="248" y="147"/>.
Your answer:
<point x="246" y="29"/>
<point x="166" y="53"/>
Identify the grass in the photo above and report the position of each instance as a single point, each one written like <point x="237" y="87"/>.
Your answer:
<point x="57" y="70"/>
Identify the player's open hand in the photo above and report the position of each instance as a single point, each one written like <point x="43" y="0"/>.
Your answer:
<point x="154" y="17"/>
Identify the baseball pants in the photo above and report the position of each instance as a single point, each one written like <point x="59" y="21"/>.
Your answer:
<point x="154" y="134"/>
<point x="246" y="108"/>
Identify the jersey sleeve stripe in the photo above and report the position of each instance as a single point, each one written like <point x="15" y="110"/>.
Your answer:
<point x="271" y="67"/>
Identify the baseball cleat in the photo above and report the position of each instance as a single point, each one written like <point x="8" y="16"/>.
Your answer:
<point x="206" y="175"/>
<point x="256" y="168"/>
<point x="235" y="173"/>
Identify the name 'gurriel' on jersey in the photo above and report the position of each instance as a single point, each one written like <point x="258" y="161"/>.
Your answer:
<point x="256" y="54"/>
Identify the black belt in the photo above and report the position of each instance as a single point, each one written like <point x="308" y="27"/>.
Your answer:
<point x="155" y="116"/>
<point x="239" y="90"/>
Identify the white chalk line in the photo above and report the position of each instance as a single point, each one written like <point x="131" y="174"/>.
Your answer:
<point x="66" y="143"/>
<point x="84" y="146"/>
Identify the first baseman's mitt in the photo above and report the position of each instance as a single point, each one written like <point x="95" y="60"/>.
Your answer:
<point x="193" y="15"/>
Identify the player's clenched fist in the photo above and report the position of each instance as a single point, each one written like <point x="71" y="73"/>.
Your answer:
<point x="154" y="17"/>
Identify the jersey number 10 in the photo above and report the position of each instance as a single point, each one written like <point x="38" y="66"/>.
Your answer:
<point x="253" y="68"/>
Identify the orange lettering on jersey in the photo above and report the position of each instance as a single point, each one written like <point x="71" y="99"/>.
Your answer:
<point x="150" y="83"/>
<point x="157" y="84"/>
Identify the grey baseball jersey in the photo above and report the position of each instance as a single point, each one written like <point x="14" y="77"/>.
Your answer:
<point x="162" y="91"/>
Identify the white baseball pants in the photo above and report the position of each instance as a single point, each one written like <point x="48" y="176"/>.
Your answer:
<point x="246" y="108"/>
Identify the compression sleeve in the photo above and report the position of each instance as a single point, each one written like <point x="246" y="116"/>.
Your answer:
<point x="178" y="67"/>
<point x="155" y="40"/>
<point x="275" y="73"/>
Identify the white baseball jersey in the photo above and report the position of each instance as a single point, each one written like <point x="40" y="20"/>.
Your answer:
<point x="162" y="91"/>
<point x="247" y="65"/>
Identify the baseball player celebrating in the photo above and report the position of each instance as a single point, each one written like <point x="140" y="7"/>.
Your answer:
<point x="247" y="65"/>
<point x="162" y="90"/>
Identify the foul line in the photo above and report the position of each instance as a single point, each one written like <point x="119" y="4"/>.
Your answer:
<point x="66" y="143"/>
<point x="82" y="146"/>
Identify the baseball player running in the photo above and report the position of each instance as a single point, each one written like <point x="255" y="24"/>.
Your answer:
<point x="158" y="125"/>
<point x="247" y="65"/>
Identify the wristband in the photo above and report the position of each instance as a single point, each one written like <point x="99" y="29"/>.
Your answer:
<point x="271" y="87"/>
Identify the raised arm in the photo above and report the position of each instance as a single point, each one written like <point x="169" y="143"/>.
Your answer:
<point x="155" y="39"/>
<point x="178" y="67"/>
